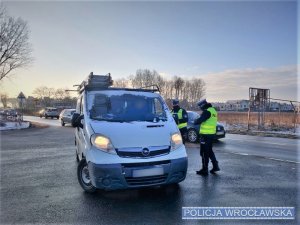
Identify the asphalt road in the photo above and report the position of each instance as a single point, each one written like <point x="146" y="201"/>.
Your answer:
<point x="50" y="122"/>
<point x="39" y="183"/>
<point x="281" y="149"/>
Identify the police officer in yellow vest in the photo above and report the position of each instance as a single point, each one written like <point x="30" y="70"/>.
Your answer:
<point x="181" y="118"/>
<point x="208" y="124"/>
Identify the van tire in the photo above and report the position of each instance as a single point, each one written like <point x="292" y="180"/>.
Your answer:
<point x="83" y="177"/>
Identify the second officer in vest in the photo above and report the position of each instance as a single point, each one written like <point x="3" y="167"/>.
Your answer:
<point x="181" y="118"/>
<point x="208" y="124"/>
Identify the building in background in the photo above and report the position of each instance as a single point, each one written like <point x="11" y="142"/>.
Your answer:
<point x="243" y="105"/>
<point x="232" y="105"/>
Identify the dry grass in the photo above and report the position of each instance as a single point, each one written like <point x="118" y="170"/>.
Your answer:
<point x="272" y="119"/>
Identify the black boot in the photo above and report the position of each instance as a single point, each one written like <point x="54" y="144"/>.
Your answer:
<point x="203" y="172"/>
<point x="215" y="167"/>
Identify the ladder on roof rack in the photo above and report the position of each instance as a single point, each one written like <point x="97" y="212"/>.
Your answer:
<point x="95" y="82"/>
<point x="100" y="82"/>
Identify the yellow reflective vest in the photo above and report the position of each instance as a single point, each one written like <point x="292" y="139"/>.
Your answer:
<point x="210" y="125"/>
<point x="179" y="114"/>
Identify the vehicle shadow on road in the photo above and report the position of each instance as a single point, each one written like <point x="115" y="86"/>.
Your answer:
<point x="154" y="205"/>
<point x="150" y="193"/>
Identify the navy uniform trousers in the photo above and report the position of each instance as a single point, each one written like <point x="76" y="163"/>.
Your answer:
<point x="206" y="152"/>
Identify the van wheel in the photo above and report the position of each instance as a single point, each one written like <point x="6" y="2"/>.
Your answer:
<point x="62" y="123"/>
<point x="84" y="177"/>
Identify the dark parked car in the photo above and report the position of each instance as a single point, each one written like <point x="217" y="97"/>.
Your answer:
<point x="66" y="116"/>
<point x="193" y="130"/>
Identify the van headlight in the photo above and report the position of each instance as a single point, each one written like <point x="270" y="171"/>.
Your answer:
<point x="102" y="143"/>
<point x="176" y="141"/>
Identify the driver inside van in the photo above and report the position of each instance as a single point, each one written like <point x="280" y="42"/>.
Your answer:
<point x="99" y="108"/>
<point x="124" y="108"/>
<point x="136" y="109"/>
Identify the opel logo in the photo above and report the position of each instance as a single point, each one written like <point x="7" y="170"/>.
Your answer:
<point x="145" y="152"/>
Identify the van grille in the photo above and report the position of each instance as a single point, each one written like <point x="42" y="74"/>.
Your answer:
<point x="138" y="153"/>
<point x="143" y="164"/>
<point x="137" y="181"/>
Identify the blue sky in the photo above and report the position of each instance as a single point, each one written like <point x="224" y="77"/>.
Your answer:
<point x="191" y="39"/>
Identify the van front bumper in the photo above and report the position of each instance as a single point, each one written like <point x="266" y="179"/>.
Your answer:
<point x="121" y="176"/>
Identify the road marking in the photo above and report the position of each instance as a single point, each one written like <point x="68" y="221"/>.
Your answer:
<point x="264" y="141"/>
<point x="281" y="160"/>
<point x="237" y="153"/>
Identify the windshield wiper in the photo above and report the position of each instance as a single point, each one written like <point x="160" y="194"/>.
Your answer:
<point x="98" y="119"/>
<point x="156" y="120"/>
<point x="111" y="120"/>
<point x="163" y="119"/>
<point x="119" y="121"/>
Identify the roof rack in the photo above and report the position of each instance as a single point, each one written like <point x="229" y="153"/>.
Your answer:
<point x="101" y="82"/>
<point x="151" y="88"/>
<point x="133" y="89"/>
<point x="154" y="88"/>
<point x="95" y="82"/>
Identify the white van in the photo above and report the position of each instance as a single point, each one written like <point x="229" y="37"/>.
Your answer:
<point x="125" y="138"/>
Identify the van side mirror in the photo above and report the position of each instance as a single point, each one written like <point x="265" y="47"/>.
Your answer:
<point x="76" y="120"/>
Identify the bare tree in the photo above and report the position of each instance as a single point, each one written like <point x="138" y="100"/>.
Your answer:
<point x="188" y="91"/>
<point x="44" y="92"/>
<point x="145" y="77"/>
<point x="178" y="85"/>
<point x="122" y="83"/>
<point x="197" y="89"/>
<point x="159" y="81"/>
<point x="48" y="96"/>
<point x="169" y="89"/>
<point x="61" y="94"/>
<point x="15" y="50"/>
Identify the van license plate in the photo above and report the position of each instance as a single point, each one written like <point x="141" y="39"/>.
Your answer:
<point x="220" y="133"/>
<point x="155" y="171"/>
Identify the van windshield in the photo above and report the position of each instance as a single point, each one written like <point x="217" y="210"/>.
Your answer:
<point x="126" y="108"/>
